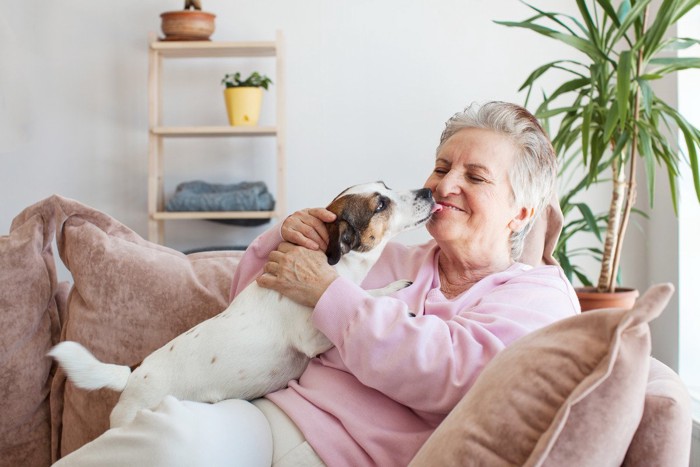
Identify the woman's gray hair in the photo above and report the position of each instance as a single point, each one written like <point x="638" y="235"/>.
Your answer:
<point x="534" y="173"/>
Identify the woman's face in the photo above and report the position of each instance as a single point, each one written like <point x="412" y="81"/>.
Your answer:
<point x="470" y="181"/>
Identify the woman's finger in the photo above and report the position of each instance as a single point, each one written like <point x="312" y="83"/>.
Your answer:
<point x="307" y="228"/>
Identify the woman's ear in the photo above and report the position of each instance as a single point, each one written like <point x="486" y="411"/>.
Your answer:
<point x="523" y="216"/>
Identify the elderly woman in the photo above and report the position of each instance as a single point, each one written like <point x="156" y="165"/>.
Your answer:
<point x="400" y="363"/>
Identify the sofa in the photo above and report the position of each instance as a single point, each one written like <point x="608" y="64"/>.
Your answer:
<point x="582" y="392"/>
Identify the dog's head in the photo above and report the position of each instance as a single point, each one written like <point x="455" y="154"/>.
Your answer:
<point x="368" y="215"/>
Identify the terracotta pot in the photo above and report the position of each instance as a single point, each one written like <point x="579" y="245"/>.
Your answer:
<point x="591" y="299"/>
<point x="187" y="25"/>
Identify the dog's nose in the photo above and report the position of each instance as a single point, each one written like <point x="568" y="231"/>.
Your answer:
<point x="424" y="193"/>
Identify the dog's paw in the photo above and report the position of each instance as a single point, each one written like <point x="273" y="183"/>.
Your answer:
<point x="391" y="288"/>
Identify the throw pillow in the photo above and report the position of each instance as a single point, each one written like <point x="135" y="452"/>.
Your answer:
<point x="572" y="390"/>
<point x="29" y="324"/>
<point x="129" y="297"/>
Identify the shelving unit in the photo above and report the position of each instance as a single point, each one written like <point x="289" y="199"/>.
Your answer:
<point x="160" y="50"/>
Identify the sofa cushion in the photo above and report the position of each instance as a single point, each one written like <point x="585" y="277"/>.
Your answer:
<point x="664" y="434"/>
<point x="572" y="390"/>
<point x="30" y="325"/>
<point x="128" y="298"/>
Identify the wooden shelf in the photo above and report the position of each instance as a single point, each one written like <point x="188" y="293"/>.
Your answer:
<point x="181" y="215"/>
<point x="184" y="131"/>
<point x="158" y="51"/>
<point x="204" y="49"/>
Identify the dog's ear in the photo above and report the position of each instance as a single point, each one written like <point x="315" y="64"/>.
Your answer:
<point x="343" y="238"/>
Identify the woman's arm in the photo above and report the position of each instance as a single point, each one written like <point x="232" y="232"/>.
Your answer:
<point x="428" y="362"/>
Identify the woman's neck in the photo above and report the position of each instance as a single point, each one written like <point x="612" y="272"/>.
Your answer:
<point x="457" y="275"/>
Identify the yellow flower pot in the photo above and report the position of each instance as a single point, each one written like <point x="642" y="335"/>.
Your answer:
<point x="243" y="105"/>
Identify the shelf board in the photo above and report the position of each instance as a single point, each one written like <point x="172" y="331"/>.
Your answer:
<point x="183" y="131"/>
<point x="205" y="49"/>
<point x="180" y="215"/>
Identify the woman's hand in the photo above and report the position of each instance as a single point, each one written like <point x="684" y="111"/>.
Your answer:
<point x="307" y="228"/>
<point x="298" y="273"/>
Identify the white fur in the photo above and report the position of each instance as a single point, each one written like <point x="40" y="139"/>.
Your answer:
<point x="256" y="346"/>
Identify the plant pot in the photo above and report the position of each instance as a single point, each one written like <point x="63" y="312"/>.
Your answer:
<point x="243" y="105"/>
<point x="187" y="25"/>
<point x="591" y="299"/>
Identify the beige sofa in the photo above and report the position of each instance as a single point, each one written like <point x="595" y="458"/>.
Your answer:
<point x="581" y="392"/>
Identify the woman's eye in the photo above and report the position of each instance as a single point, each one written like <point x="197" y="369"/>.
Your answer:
<point x="440" y="171"/>
<point x="475" y="179"/>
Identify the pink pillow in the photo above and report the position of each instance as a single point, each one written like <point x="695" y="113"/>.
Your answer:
<point x="30" y="326"/>
<point x="129" y="297"/>
<point x="568" y="394"/>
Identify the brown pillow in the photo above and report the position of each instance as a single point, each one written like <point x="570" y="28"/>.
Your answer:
<point x="29" y="326"/>
<point x="572" y="392"/>
<point x="129" y="297"/>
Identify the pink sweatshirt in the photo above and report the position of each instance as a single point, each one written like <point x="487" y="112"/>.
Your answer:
<point x="391" y="378"/>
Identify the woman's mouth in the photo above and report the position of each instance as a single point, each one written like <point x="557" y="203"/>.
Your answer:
<point x="447" y="206"/>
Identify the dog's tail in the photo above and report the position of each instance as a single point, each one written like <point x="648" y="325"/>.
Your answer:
<point x="85" y="371"/>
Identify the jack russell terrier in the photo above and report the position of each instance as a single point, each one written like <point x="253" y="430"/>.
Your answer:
<point x="262" y="340"/>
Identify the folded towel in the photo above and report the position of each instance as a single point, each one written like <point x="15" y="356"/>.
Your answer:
<point x="202" y="196"/>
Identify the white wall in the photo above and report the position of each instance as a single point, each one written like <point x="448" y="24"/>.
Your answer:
<point x="369" y="85"/>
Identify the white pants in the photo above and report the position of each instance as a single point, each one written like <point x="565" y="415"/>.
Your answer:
<point x="189" y="434"/>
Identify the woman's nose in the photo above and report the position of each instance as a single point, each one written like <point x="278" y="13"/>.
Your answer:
<point x="448" y="185"/>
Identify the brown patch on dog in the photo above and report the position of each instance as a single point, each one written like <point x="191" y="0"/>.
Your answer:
<point x="213" y="359"/>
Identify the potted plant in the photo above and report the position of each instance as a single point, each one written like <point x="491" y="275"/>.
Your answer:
<point x="188" y="24"/>
<point x="610" y="118"/>
<point x="243" y="97"/>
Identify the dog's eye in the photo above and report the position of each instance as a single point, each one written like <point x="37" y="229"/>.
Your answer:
<point x="381" y="204"/>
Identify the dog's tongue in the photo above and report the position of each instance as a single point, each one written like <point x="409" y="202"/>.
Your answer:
<point x="437" y="207"/>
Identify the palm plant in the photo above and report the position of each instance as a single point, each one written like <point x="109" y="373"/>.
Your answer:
<point x="610" y="117"/>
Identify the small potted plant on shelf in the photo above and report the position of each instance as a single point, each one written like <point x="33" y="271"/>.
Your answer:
<point x="610" y="118"/>
<point x="188" y="24"/>
<point x="243" y="97"/>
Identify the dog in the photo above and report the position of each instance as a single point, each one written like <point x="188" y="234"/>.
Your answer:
<point x="262" y="340"/>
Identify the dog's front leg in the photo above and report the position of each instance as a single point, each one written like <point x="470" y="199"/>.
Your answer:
<point x="389" y="289"/>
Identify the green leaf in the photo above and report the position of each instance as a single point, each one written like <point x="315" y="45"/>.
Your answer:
<point x="651" y="76"/>
<point x="628" y="16"/>
<point x="554" y="17"/>
<point x="609" y="11"/>
<point x="592" y="29"/>
<point x="671" y="64"/>
<point x="569" y="86"/>
<point x="539" y="71"/>
<point x="624" y="77"/>
<point x="647" y="154"/>
<point x="673" y="188"/>
<point x="553" y="112"/>
<point x="684" y="9"/>
<point x="586" y="130"/>
<point x="566" y="266"/>
<point x="692" y="141"/>
<point x="611" y="120"/>
<point x="659" y="27"/>
<point x="646" y="95"/>
<point x="574" y="41"/>
<point x="582" y="277"/>
<point x="590" y="219"/>
<point x="679" y="43"/>
<point x="624" y="9"/>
